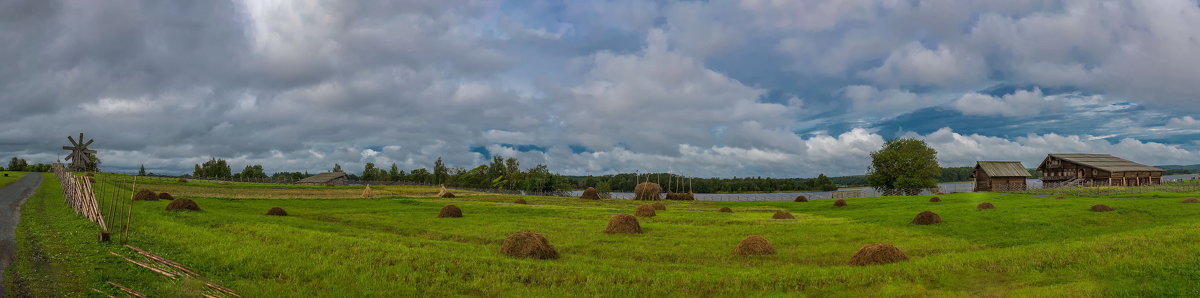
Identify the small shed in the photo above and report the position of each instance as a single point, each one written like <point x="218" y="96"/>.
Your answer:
<point x="1081" y="169"/>
<point x="328" y="179"/>
<point x="999" y="176"/>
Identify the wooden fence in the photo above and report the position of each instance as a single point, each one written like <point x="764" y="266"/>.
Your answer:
<point x="101" y="199"/>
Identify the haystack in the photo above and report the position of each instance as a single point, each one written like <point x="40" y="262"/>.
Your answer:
<point x="224" y="183"/>
<point x="590" y="193"/>
<point x="783" y="215"/>
<point x="647" y="191"/>
<point x="520" y="201"/>
<point x="1059" y="198"/>
<point x="754" y="245"/>
<point x="1101" y="208"/>
<point x="1191" y="200"/>
<point x="367" y="193"/>
<point x="725" y="209"/>
<point x="935" y="199"/>
<point x="527" y="244"/>
<point x="623" y="223"/>
<point x="444" y="193"/>
<point x="877" y="254"/>
<point x="183" y="204"/>
<point x="839" y="203"/>
<point x="985" y="205"/>
<point x="645" y="211"/>
<point x="276" y="211"/>
<point x="165" y="196"/>
<point x="926" y="218"/>
<point x="659" y="206"/>
<point x="801" y="199"/>
<point x="181" y="180"/>
<point x="450" y="211"/>
<point x="145" y="195"/>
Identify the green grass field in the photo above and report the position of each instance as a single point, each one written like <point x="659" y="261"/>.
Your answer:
<point x="1027" y="246"/>
<point x="12" y="177"/>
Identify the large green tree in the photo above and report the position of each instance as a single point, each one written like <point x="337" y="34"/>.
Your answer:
<point x="904" y="166"/>
<point x="214" y="168"/>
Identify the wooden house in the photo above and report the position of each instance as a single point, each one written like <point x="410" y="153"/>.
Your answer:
<point x="329" y="179"/>
<point x="999" y="176"/>
<point x="1077" y="169"/>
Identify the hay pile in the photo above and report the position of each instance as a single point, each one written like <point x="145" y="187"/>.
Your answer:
<point x="181" y="180"/>
<point x="1191" y="200"/>
<point x="367" y="193"/>
<point x="1101" y="208"/>
<point x="520" y="201"/>
<point x="647" y="191"/>
<point x="645" y="211"/>
<point x="276" y="211"/>
<point x="444" y="193"/>
<point x="183" y="204"/>
<point x="165" y="196"/>
<point x="526" y="244"/>
<point x="725" y="209"/>
<point x="935" y="199"/>
<point x="877" y="254"/>
<point x="754" y="245"/>
<point x="926" y="218"/>
<point x="1059" y="198"/>
<point x="450" y="211"/>
<point x="224" y="183"/>
<point x="689" y="196"/>
<point x="985" y="205"/>
<point x="659" y="206"/>
<point x="623" y="224"/>
<point x="801" y="199"/>
<point x="839" y="203"/>
<point x="783" y="215"/>
<point x="145" y="195"/>
<point x="681" y="196"/>
<point x="590" y="193"/>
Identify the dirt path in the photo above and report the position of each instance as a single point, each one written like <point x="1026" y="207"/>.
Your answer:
<point x="11" y="197"/>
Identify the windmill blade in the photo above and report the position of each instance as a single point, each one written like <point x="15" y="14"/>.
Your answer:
<point x="89" y="142"/>
<point x="72" y="141"/>
<point x="89" y="151"/>
<point x="81" y="138"/>
<point x="68" y="148"/>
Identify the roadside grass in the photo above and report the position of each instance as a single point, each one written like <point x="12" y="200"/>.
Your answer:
<point x="12" y="177"/>
<point x="1028" y="246"/>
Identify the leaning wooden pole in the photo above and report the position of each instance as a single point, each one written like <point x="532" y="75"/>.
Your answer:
<point x="129" y="214"/>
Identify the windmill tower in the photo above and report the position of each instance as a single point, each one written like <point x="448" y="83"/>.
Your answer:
<point x="81" y="157"/>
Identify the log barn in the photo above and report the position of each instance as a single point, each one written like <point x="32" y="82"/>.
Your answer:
<point x="1079" y="169"/>
<point x="999" y="176"/>
<point x="327" y="179"/>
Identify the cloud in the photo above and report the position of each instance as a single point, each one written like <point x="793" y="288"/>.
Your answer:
<point x="1018" y="104"/>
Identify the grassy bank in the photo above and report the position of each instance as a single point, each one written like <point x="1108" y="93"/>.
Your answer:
<point x="12" y="177"/>
<point x="1027" y="246"/>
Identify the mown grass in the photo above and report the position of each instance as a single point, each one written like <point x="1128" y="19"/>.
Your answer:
<point x="12" y="177"/>
<point x="208" y="188"/>
<point x="1028" y="246"/>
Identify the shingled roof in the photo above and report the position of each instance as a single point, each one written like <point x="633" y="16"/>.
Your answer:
<point x="323" y="178"/>
<point x="1003" y="168"/>
<point x="1105" y="162"/>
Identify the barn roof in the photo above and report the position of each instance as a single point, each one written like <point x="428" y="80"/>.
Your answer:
<point x="323" y="177"/>
<point x="1003" y="168"/>
<point x="1105" y="162"/>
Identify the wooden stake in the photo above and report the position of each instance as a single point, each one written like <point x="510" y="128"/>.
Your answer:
<point x="129" y="215"/>
<point x="164" y="261"/>
<point x="127" y="290"/>
<point x="147" y="266"/>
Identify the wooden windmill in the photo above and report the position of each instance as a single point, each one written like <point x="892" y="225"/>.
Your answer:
<point x="81" y="156"/>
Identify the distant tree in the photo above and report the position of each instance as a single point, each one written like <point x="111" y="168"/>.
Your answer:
<point x="394" y="173"/>
<point x="252" y="172"/>
<point x="904" y="166"/>
<point x="371" y="173"/>
<point x="337" y="168"/>
<point x="17" y="164"/>
<point x="439" y="171"/>
<point x="142" y="170"/>
<point x="420" y="176"/>
<point x="214" y="168"/>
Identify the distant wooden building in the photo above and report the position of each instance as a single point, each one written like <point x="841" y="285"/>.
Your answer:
<point x="1096" y="170"/>
<point x="1000" y="176"/>
<point x="329" y="179"/>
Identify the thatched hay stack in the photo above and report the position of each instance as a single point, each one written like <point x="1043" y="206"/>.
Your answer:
<point x="1101" y="208"/>
<point x="623" y="224"/>
<point x="181" y="180"/>
<point x="224" y="183"/>
<point x="689" y="196"/>
<point x="183" y="204"/>
<point x="935" y="199"/>
<point x="780" y="214"/>
<point x="145" y="195"/>
<point x="645" y="211"/>
<point x="659" y="206"/>
<point x="647" y="191"/>
<point x="725" y="209"/>
<point x="590" y="193"/>
<point x="444" y="193"/>
<point x="165" y="196"/>
<point x="367" y="193"/>
<point x="839" y="203"/>
<point x="527" y="244"/>
<point x="681" y="196"/>
<point x="1191" y="200"/>
<point x="926" y="218"/>
<point x="801" y="199"/>
<point x="520" y="201"/>
<point x="1059" y="198"/>
<point x="450" y="211"/>
<point x="276" y="211"/>
<point x="985" y="205"/>
<point x="877" y="254"/>
<point x="754" y="245"/>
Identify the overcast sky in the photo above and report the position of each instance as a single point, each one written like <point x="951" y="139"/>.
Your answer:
<point x="710" y="89"/>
